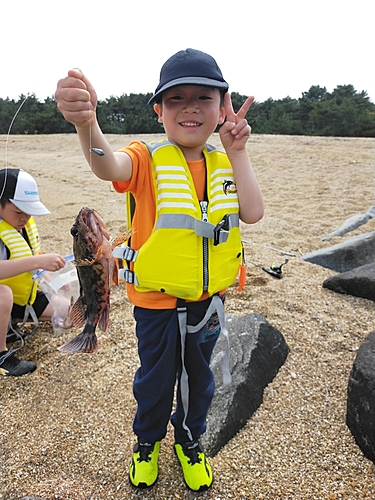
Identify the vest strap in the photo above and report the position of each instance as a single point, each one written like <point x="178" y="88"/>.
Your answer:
<point x="29" y="311"/>
<point x="215" y="304"/>
<point x="128" y="276"/>
<point x="125" y="253"/>
<point x="218" y="233"/>
<point x="184" y="380"/>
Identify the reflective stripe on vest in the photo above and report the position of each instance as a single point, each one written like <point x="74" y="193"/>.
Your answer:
<point x="23" y="287"/>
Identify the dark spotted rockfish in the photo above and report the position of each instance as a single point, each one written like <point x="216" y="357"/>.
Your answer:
<point x="96" y="270"/>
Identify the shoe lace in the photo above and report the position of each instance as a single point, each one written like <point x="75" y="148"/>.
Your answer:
<point x="145" y="450"/>
<point x="192" y="452"/>
<point x="9" y="355"/>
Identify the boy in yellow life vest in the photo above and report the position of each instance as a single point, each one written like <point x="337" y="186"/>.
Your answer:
<point x="20" y="257"/>
<point x="185" y="248"/>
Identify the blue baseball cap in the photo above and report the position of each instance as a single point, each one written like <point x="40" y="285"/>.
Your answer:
<point x="189" y="67"/>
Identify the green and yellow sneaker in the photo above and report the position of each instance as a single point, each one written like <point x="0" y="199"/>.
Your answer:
<point x="144" y="471"/>
<point x="195" y="466"/>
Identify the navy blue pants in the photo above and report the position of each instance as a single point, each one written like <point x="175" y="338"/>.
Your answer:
<point x="159" y="349"/>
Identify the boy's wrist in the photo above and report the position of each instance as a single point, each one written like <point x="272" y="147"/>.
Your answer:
<point x="235" y="154"/>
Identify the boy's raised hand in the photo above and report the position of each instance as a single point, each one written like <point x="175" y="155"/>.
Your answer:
<point x="235" y="132"/>
<point x="76" y="99"/>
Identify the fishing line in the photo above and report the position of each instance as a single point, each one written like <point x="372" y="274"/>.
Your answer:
<point x="12" y="122"/>
<point x="90" y="144"/>
<point x="16" y="332"/>
<point x="6" y="144"/>
<point x="97" y="151"/>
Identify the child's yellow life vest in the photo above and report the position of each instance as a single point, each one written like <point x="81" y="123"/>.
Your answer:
<point x="194" y="246"/>
<point x="23" y="287"/>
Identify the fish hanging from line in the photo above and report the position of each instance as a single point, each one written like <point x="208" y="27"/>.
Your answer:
<point x="96" y="270"/>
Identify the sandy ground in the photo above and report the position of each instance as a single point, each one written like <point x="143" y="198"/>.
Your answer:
<point x="66" y="430"/>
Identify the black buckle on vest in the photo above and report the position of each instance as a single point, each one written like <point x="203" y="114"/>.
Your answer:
<point x="223" y="225"/>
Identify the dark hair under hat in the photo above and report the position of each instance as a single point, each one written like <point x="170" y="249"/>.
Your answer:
<point x="189" y="67"/>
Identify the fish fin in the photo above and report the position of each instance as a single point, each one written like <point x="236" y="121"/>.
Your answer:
<point x="77" y="313"/>
<point x="104" y="320"/>
<point x="84" y="262"/>
<point x="84" y="342"/>
<point x="118" y="264"/>
<point x="121" y="238"/>
<point x="87" y="262"/>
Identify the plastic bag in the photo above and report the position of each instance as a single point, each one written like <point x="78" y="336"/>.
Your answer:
<point x="62" y="290"/>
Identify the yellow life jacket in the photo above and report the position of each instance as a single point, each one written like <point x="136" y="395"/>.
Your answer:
<point x="194" y="246"/>
<point x="23" y="287"/>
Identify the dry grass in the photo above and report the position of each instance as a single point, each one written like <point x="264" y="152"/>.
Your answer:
<point x="66" y="430"/>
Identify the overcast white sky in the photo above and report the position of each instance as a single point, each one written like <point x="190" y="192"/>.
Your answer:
<point x="265" y="48"/>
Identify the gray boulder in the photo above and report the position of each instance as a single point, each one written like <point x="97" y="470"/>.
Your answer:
<point x="360" y="416"/>
<point x="359" y="282"/>
<point x="354" y="252"/>
<point x="258" y="350"/>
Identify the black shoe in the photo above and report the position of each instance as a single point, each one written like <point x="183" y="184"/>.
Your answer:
<point x="11" y="366"/>
<point x="13" y="334"/>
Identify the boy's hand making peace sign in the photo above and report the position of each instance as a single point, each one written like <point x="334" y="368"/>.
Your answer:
<point x="235" y="132"/>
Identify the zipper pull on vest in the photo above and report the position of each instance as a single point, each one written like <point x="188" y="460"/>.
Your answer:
<point x="203" y="205"/>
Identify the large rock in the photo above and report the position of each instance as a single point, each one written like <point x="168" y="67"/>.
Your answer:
<point x="360" y="416"/>
<point x="359" y="282"/>
<point x="258" y="350"/>
<point x="354" y="252"/>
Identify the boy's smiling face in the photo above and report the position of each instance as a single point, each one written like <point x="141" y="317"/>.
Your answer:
<point x="190" y="114"/>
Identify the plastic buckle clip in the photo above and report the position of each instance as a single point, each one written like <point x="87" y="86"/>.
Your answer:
<point x="223" y="225"/>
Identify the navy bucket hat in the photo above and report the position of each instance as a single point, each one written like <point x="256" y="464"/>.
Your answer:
<point x="189" y="67"/>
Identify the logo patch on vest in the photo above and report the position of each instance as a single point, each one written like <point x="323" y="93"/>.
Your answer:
<point x="229" y="187"/>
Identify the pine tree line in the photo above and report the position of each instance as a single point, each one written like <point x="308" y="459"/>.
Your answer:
<point x="344" y="112"/>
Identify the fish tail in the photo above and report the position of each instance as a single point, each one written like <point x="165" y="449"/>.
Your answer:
<point x="84" y="342"/>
